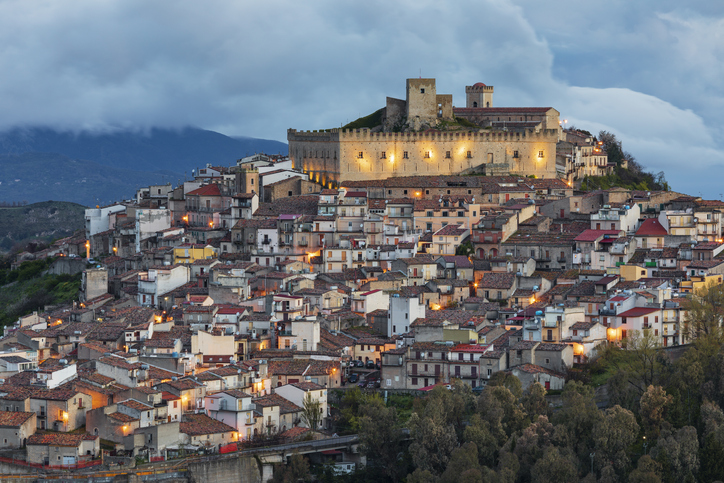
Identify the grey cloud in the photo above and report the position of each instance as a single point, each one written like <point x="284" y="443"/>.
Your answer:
<point x="648" y="71"/>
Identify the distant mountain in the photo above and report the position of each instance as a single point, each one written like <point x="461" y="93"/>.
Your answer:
<point x="158" y="149"/>
<point x="52" y="164"/>
<point x="35" y="177"/>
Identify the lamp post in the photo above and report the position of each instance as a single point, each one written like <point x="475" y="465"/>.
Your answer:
<point x="646" y="443"/>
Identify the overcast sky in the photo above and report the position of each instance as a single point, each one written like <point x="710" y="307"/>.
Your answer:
<point x="650" y="71"/>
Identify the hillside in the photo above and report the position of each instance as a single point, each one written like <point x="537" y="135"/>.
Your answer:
<point x="48" y="220"/>
<point x="35" y="177"/>
<point x="176" y="151"/>
<point x="24" y="290"/>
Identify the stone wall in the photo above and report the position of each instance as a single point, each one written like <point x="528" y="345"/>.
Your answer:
<point x="350" y="155"/>
<point x="225" y="470"/>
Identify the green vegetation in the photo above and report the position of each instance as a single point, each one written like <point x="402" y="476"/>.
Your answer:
<point x="633" y="177"/>
<point x="628" y="179"/>
<point x="45" y="221"/>
<point x="371" y="121"/>
<point x="25" y="290"/>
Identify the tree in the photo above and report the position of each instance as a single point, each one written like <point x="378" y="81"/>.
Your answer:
<point x="705" y="312"/>
<point x="501" y="409"/>
<point x="463" y="461"/>
<point x="478" y="432"/>
<point x="297" y="470"/>
<point x="534" y="401"/>
<point x="579" y="415"/>
<point x="647" y="471"/>
<point x="433" y="441"/>
<point x="653" y="403"/>
<point x="311" y="412"/>
<point x="677" y="454"/>
<point x="613" y="435"/>
<point x="382" y="439"/>
<point x="552" y="467"/>
<point x="506" y="379"/>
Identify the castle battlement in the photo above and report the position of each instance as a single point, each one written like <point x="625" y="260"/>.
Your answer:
<point x="525" y="147"/>
<point x="364" y="134"/>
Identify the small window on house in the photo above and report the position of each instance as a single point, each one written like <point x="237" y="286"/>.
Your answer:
<point x="422" y="91"/>
<point x="404" y="155"/>
<point x="360" y="155"/>
<point x="383" y="155"/>
<point x="540" y="154"/>
<point x="470" y="154"/>
<point x="447" y="154"/>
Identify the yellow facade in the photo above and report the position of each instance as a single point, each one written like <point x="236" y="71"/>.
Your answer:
<point x="192" y="253"/>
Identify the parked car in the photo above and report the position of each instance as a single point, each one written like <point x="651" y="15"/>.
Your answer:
<point x="370" y="364"/>
<point x="362" y="384"/>
<point x="352" y="378"/>
<point x="370" y="384"/>
<point x="359" y="363"/>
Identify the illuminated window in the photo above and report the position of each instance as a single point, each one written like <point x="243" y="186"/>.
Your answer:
<point x="404" y="155"/>
<point x="540" y="154"/>
<point x="383" y="155"/>
<point x="361" y="155"/>
<point x="470" y="154"/>
<point x="447" y="154"/>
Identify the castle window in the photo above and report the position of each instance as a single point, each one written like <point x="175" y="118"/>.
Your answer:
<point x="360" y="155"/>
<point x="427" y="154"/>
<point x="404" y="155"/>
<point x="515" y="154"/>
<point x="383" y="155"/>
<point x="470" y="154"/>
<point x="422" y="91"/>
<point x="427" y="192"/>
<point x="540" y="154"/>
<point x="404" y="192"/>
<point x="475" y="104"/>
<point x="447" y="154"/>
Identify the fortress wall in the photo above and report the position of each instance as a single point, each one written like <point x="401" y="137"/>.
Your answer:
<point x="383" y="154"/>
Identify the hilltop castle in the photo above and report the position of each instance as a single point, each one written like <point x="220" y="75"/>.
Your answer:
<point x="426" y="135"/>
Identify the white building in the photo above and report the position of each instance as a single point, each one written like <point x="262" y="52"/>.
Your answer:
<point x="158" y="281"/>
<point x="403" y="312"/>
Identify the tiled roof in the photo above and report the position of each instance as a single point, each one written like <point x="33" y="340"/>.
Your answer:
<point x="58" y="439"/>
<point x="451" y="230"/>
<point x="534" y="369"/>
<point x="285" y="406"/>
<point x="550" y="347"/>
<point x="201" y="424"/>
<point x="496" y="280"/>
<point x="651" y="227"/>
<point x="12" y="419"/>
<point x="208" y="190"/>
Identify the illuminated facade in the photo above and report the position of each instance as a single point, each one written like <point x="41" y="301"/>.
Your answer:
<point x="415" y="139"/>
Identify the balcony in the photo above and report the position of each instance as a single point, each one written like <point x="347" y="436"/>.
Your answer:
<point x="302" y="243"/>
<point x="266" y="241"/>
<point x="561" y="259"/>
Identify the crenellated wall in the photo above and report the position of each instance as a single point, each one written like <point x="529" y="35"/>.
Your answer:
<point x="348" y="155"/>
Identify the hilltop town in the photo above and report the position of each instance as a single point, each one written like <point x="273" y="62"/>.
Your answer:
<point x="224" y="310"/>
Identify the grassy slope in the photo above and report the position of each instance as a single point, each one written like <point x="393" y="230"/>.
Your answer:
<point x="47" y="220"/>
<point x="25" y="290"/>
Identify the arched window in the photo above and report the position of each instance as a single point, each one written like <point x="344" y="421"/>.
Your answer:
<point x="475" y="104"/>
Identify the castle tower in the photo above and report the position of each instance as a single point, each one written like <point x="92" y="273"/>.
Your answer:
<point x="479" y="95"/>
<point x="421" y="99"/>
